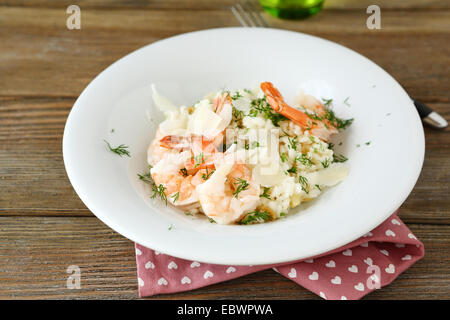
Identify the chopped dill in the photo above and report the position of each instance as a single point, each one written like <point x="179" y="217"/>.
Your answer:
<point x="208" y="174"/>
<point x="293" y="143"/>
<point x="358" y="145"/>
<point x="255" y="144"/>
<point x="312" y="139"/>
<point x="170" y="227"/>
<point x="262" y="106"/>
<point x="327" y="102"/>
<point x="212" y="220"/>
<point x="339" y="158"/>
<point x="303" y="181"/>
<point x="284" y="157"/>
<point x="248" y="91"/>
<point x="337" y="122"/>
<point x="318" y="187"/>
<point x="176" y="196"/>
<point x="292" y="170"/>
<point x="282" y="214"/>
<point x="236" y="96"/>
<point x="159" y="191"/>
<point x="265" y="193"/>
<point x="303" y="159"/>
<point x="346" y="101"/>
<point x="330" y="146"/>
<point x="198" y="159"/>
<point x="121" y="150"/>
<point x="326" y="163"/>
<point x="368" y="142"/>
<point x="188" y="213"/>
<point x="241" y="186"/>
<point x="238" y="115"/>
<point x="112" y="130"/>
<point x="255" y="217"/>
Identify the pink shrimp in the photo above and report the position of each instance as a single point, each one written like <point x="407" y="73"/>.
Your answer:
<point x="318" y="126"/>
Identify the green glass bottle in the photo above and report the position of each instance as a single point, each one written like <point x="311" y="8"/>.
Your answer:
<point x="292" y="9"/>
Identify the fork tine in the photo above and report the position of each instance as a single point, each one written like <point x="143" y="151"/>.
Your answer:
<point x="238" y="16"/>
<point x="245" y="16"/>
<point x="260" y="21"/>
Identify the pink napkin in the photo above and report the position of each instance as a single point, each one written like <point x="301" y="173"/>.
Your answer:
<point x="349" y="272"/>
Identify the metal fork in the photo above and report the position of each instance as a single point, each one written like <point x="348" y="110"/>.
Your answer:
<point x="248" y="15"/>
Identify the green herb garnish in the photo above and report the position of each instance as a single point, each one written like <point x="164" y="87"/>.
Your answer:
<point x="265" y="193"/>
<point x="303" y="159"/>
<point x="327" y="102"/>
<point x="236" y="96"/>
<point x="256" y="217"/>
<point x="175" y="196"/>
<point x="121" y="150"/>
<point x="339" y="158"/>
<point x="318" y="187"/>
<point x="292" y="170"/>
<point x="326" y="163"/>
<point x="241" y="186"/>
<point x="198" y="159"/>
<point x="208" y="174"/>
<point x="293" y="143"/>
<point x="284" y="157"/>
<point x="262" y="106"/>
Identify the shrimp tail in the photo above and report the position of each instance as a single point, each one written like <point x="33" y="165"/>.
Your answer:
<point x="276" y="101"/>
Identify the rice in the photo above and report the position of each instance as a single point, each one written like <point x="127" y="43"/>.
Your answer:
<point x="302" y="165"/>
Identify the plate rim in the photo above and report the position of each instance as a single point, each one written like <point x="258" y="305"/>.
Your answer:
<point x="116" y="225"/>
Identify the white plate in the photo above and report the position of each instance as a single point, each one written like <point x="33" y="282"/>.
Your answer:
<point x="188" y="66"/>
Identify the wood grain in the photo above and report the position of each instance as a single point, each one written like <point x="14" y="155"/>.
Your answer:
<point x="220" y="4"/>
<point x="35" y="253"/>
<point x="44" y="227"/>
<point x="36" y="42"/>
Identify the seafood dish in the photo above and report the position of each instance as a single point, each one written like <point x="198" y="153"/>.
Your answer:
<point x="244" y="156"/>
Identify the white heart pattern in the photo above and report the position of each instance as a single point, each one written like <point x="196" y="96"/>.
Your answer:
<point x="395" y="221"/>
<point x="359" y="287"/>
<point x="385" y="252"/>
<point x="390" y="269"/>
<point x="292" y="273"/>
<point x="162" y="282"/>
<point x="231" y="269"/>
<point x="407" y="257"/>
<point x="336" y="280"/>
<point x="347" y="253"/>
<point x="343" y="298"/>
<point x="330" y="264"/>
<point x="138" y="252"/>
<point x="185" y="280"/>
<point x="172" y="265"/>
<point x="390" y="233"/>
<point x="411" y="236"/>
<point x="140" y="282"/>
<point x="322" y="295"/>
<point x="368" y="234"/>
<point x="365" y="244"/>
<point x="313" y="276"/>
<point x="195" y="264"/>
<point x="208" y="274"/>
<point x="400" y="245"/>
<point x="353" y="269"/>
<point x="149" y="265"/>
<point x="368" y="261"/>
<point x="157" y="252"/>
<point x="309" y="261"/>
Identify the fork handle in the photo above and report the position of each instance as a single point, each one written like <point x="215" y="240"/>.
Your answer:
<point x="429" y="116"/>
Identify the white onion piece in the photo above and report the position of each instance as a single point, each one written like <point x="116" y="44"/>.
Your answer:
<point x="330" y="176"/>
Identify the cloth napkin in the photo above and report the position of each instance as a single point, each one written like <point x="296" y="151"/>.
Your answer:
<point x="349" y="272"/>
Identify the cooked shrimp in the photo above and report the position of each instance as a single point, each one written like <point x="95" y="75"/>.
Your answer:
<point x="229" y="193"/>
<point x="179" y="187"/>
<point x="202" y="150"/>
<point x="318" y="126"/>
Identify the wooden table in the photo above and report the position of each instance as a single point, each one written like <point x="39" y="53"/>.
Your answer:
<point x="44" y="227"/>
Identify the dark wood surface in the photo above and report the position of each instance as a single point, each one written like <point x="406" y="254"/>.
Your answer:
<point x="44" y="227"/>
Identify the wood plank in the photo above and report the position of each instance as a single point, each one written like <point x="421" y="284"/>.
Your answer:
<point x="36" y="251"/>
<point x="34" y="182"/>
<point x="40" y="57"/>
<point x="219" y="4"/>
